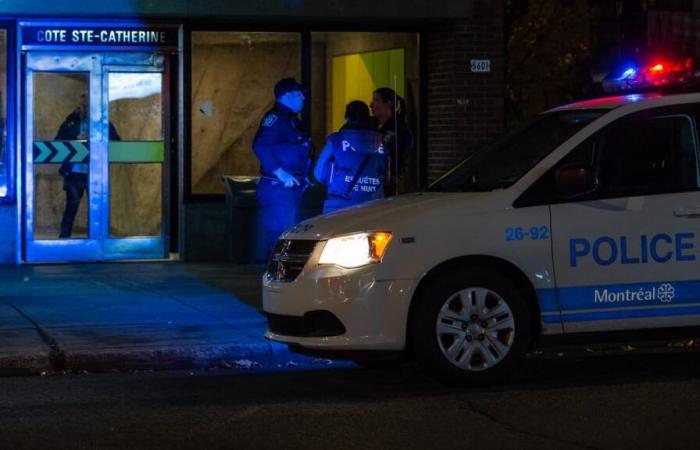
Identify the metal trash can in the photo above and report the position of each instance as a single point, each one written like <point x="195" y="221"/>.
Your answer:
<point x="245" y="237"/>
<point x="245" y="240"/>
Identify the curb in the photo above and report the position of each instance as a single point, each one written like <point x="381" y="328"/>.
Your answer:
<point x="163" y="358"/>
<point x="22" y="365"/>
<point x="260" y="353"/>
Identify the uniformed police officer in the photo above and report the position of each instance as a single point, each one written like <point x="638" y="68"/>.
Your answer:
<point x="353" y="163"/>
<point x="284" y="152"/>
<point x="389" y="110"/>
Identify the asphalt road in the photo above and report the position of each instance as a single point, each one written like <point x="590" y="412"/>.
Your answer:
<point x="618" y="401"/>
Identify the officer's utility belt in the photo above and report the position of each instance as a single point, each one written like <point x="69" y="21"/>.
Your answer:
<point x="276" y="182"/>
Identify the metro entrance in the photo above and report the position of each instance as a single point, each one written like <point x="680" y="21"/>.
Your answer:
<point x="96" y="156"/>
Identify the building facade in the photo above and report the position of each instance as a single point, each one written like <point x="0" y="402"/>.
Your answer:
<point x="119" y="122"/>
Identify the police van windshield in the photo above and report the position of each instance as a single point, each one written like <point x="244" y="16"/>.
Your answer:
<point x="502" y="163"/>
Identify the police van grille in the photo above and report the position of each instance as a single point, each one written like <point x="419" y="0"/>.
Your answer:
<point x="288" y="259"/>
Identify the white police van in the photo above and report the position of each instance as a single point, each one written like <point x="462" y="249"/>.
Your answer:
<point x="586" y="219"/>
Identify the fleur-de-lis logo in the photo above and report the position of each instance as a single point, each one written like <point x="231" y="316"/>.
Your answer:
<point x="666" y="292"/>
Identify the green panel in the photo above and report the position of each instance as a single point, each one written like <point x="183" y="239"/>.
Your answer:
<point x="380" y="72"/>
<point x="136" y="152"/>
<point x="383" y="65"/>
<point x="396" y="67"/>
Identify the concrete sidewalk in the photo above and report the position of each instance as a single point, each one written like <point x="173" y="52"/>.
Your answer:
<point x="116" y="316"/>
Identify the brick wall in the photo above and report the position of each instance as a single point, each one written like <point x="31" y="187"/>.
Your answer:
<point x="464" y="110"/>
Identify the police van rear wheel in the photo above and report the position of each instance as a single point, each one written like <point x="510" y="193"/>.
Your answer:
<point x="471" y="327"/>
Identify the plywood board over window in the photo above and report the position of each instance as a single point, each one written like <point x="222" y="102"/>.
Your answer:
<point x="233" y="76"/>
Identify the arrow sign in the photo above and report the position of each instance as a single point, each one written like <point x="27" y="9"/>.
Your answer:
<point x="57" y="152"/>
<point x="81" y="152"/>
<point x="62" y="152"/>
<point x="43" y="152"/>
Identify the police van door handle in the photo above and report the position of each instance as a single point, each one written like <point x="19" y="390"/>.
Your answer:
<point x="687" y="211"/>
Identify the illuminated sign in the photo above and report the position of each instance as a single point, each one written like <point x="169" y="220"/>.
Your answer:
<point x="75" y="36"/>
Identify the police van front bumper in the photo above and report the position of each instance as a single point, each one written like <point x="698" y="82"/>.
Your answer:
<point x="332" y="308"/>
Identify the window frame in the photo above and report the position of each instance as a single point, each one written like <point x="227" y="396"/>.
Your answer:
<point x="10" y="114"/>
<point x="690" y="110"/>
<point x="305" y="29"/>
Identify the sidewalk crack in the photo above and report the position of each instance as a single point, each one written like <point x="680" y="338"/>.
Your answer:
<point x="57" y="357"/>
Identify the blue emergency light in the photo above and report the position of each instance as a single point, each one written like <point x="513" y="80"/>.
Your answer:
<point x="628" y="74"/>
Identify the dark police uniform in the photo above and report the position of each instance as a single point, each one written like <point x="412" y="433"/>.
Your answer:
<point x="353" y="165"/>
<point x="280" y="143"/>
<point x="399" y="145"/>
<point x="75" y="182"/>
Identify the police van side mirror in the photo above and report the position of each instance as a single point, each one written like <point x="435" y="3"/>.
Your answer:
<point x="575" y="181"/>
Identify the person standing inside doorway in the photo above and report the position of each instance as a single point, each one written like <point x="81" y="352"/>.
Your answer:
<point x="389" y="111"/>
<point x="75" y="174"/>
<point x="353" y="162"/>
<point x="284" y="152"/>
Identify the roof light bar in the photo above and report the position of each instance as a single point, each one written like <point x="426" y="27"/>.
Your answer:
<point x="658" y="74"/>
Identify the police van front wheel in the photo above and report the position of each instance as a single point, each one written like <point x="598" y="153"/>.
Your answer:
<point x="471" y="327"/>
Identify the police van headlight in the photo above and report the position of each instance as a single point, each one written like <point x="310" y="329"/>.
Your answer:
<point x="355" y="250"/>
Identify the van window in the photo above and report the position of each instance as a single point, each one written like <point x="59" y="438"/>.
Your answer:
<point x="503" y="163"/>
<point x="650" y="156"/>
<point x="643" y="155"/>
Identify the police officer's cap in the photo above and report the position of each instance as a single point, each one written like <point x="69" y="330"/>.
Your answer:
<point x="287" y="85"/>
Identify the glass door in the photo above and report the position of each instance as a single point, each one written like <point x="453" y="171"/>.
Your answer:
<point x="96" y="157"/>
<point x="134" y="204"/>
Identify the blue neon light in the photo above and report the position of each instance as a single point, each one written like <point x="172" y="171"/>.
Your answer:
<point x="7" y="154"/>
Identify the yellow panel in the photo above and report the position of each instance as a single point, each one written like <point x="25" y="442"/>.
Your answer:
<point x="339" y="76"/>
<point x="356" y="76"/>
<point x="354" y="71"/>
<point x="364" y="85"/>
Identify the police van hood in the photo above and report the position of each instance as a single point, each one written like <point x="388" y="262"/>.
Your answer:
<point x="399" y="213"/>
